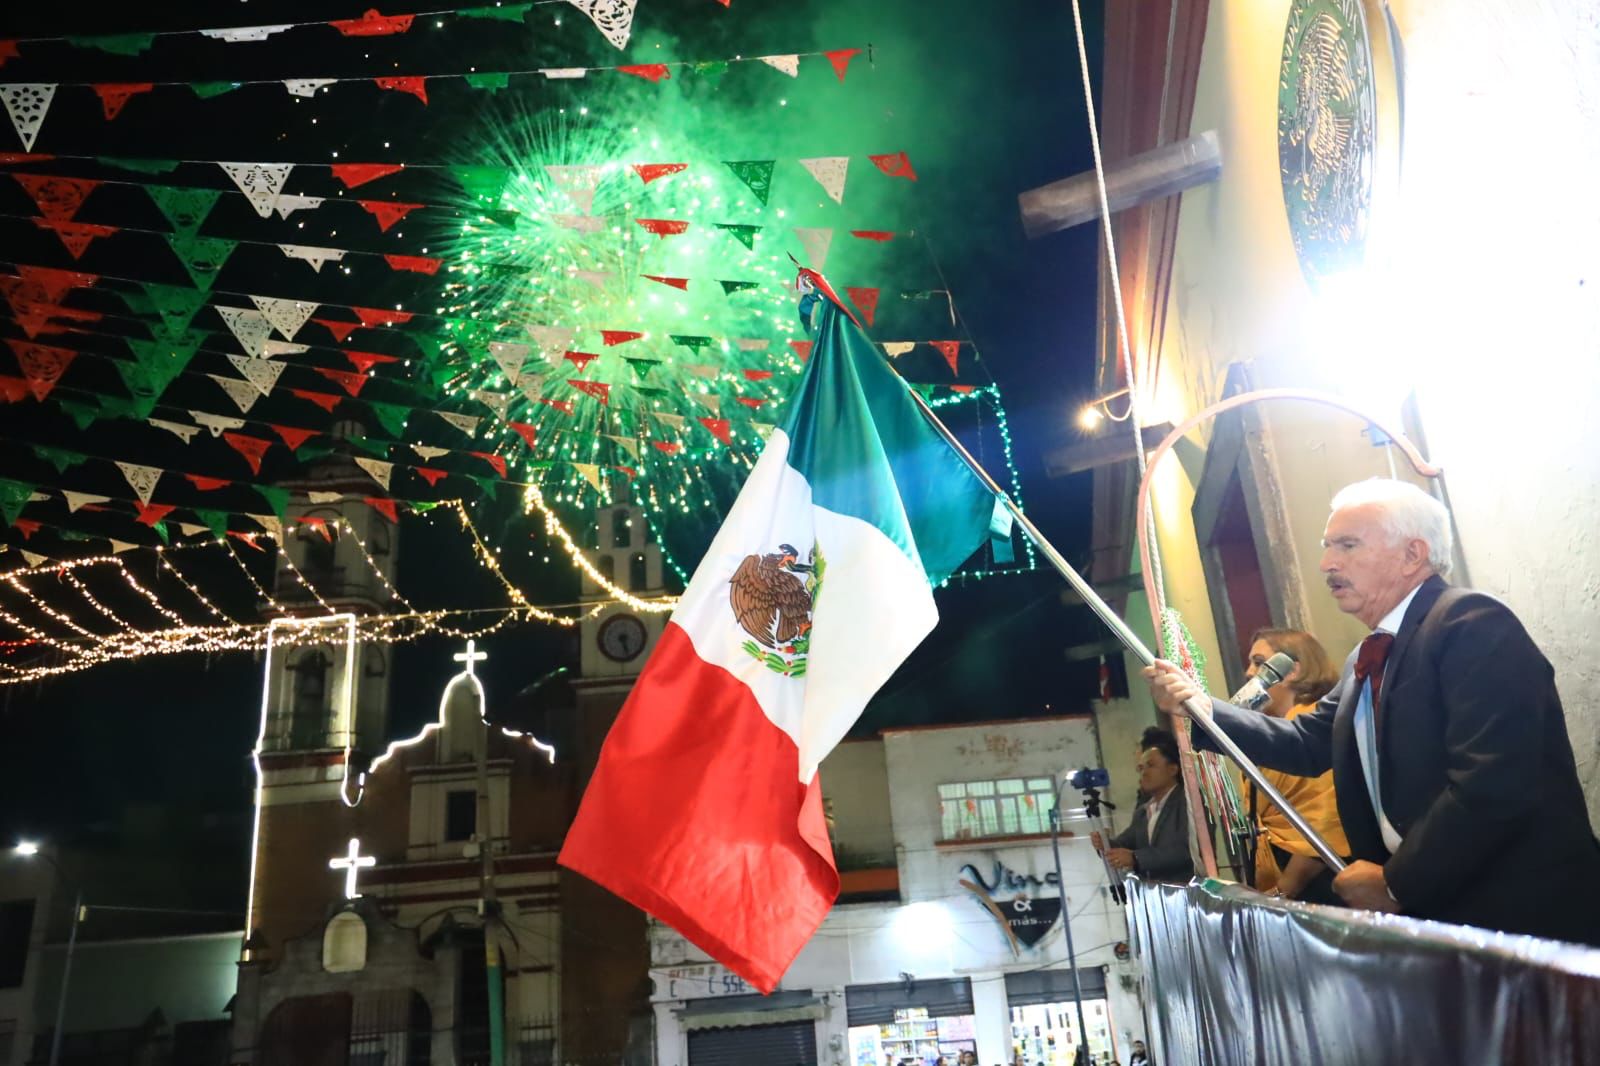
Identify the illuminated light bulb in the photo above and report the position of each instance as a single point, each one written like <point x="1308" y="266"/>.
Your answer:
<point x="1089" y="418"/>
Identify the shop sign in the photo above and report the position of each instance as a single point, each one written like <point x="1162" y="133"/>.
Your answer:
<point x="1014" y="901"/>
<point x="700" y="982"/>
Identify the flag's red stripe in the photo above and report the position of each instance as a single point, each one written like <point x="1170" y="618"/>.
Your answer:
<point x="696" y="814"/>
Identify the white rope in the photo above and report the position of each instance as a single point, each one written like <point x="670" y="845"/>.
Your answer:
<point x="1116" y="294"/>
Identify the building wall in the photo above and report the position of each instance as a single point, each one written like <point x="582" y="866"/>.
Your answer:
<point x="117" y="984"/>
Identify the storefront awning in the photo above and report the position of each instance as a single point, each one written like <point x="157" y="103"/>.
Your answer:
<point x="729" y="1012"/>
<point x="1028" y="987"/>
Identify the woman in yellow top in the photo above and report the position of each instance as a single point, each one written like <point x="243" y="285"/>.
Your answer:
<point x="1285" y="864"/>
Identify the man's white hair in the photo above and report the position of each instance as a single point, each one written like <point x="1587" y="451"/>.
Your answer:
<point x="1408" y="514"/>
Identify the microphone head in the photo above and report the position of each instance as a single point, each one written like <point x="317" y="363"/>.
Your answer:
<point x="1275" y="669"/>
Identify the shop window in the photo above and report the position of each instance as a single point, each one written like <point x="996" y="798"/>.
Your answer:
<point x="1016" y="806"/>
<point x="460" y="814"/>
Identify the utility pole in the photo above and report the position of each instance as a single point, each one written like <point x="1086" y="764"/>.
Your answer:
<point x="488" y="904"/>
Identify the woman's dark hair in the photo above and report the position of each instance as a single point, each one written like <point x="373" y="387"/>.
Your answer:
<point x="1163" y="742"/>
<point x="1318" y="675"/>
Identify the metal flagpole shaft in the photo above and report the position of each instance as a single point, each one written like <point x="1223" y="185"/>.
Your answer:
<point x="1131" y="641"/>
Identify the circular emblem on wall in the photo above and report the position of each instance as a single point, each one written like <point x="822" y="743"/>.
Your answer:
<point x="1328" y="132"/>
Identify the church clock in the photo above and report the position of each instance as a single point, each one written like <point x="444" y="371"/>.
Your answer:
<point x="622" y="637"/>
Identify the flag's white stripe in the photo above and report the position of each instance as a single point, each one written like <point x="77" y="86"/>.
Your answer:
<point x="875" y="606"/>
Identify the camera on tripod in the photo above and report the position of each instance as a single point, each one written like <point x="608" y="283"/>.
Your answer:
<point x="1085" y="779"/>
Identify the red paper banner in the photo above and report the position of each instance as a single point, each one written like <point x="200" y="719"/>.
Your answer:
<point x="292" y="436"/>
<point x="351" y="383"/>
<point x="13" y="389"/>
<point x="252" y="448"/>
<point x="383" y="505"/>
<point x="373" y="24"/>
<point x="151" y="513"/>
<point x="113" y="96"/>
<point x="207" y="484"/>
<point x="410" y="83"/>
<point x="365" y="361"/>
<point x="353" y="174"/>
<point x="598" y="389"/>
<point x="564" y="406"/>
<point x="751" y="402"/>
<point x="613" y="337"/>
<point x="802" y="349"/>
<point x="41" y="365"/>
<point x="653" y="72"/>
<point x="894" y="164"/>
<point x="676" y="283"/>
<point x="378" y="316"/>
<point x="866" y="300"/>
<point x="963" y="389"/>
<point x="951" y="350"/>
<point x="75" y="235"/>
<point x="325" y="400"/>
<point x="430" y="475"/>
<point x="56" y="283"/>
<point x="496" y="461"/>
<point x="649" y="172"/>
<point x="8" y="50"/>
<point x="57" y="198"/>
<point x="757" y="375"/>
<point x="720" y="428"/>
<point x="879" y="235"/>
<point x="840" y="58"/>
<point x="340" y="330"/>
<point x="318" y="524"/>
<point x="671" y="447"/>
<point x="417" y="264"/>
<point x="248" y="538"/>
<point x="24" y="157"/>
<point x="581" y="360"/>
<point x="663" y="227"/>
<point x="388" y="212"/>
<point x="525" y="431"/>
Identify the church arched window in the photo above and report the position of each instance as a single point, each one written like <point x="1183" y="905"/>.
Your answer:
<point x="606" y="563"/>
<point x="621" y="528"/>
<point x="308" y="709"/>
<point x="638" y="572"/>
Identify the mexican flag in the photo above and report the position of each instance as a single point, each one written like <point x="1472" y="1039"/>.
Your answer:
<point x="705" y="809"/>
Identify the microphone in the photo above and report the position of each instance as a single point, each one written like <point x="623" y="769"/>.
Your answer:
<point x="1253" y="694"/>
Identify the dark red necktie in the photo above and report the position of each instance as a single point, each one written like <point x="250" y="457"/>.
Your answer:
<point x="1369" y="662"/>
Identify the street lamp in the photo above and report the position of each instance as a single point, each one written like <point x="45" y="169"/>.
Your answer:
<point x="30" y="849"/>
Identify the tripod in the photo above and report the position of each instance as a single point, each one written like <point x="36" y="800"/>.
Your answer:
<point x="1100" y="822"/>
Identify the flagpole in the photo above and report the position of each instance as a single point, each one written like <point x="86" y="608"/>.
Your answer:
<point x="1131" y="640"/>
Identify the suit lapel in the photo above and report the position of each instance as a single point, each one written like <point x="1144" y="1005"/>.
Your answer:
<point x="1427" y="594"/>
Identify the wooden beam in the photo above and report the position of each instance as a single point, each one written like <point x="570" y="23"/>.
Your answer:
<point x="1141" y="179"/>
<point x="1115" y="447"/>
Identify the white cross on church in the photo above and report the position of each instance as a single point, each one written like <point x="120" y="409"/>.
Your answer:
<point x="471" y="655"/>
<point x="350" y="864"/>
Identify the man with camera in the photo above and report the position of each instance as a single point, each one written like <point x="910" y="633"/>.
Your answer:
<point x="1156" y="845"/>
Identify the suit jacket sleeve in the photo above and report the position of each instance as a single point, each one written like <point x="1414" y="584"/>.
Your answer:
<point x="1490" y="677"/>
<point x="1167" y="856"/>
<point x="1302" y="746"/>
<point x="1128" y="839"/>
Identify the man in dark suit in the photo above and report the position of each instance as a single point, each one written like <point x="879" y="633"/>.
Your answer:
<point x="1156" y="845"/>
<point x="1453" y="769"/>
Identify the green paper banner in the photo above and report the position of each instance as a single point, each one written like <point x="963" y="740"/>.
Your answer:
<point x="310" y="453"/>
<point x="277" y="499"/>
<point x="137" y="407"/>
<point x="695" y="343"/>
<point x="216" y="521"/>
<point x="177" y="305"/>
<point x="60" y="458"/>
<point x="481" y="183"/>
<point x="166" y="356"/>
<point x="489" y="485"/>
<point x="122" y="44"/>
<point x="745" y="235"/>
<point x="205" y="90"/>
<point x="202" y="257"/>
<point x="138" y="302"/>
<point x="508" y="13"/>
<point x="377" y="448"/>
<point x="14" y="496"/>
<point x="143" y="166"/>
<point x="731" y="287"/>
<point x="757" y="174"/>
<point x="161" y="531"/>
<point x="392" y="416"/>
<point x="186" y="209"/>
<point x="642" y="367"/>
<point x="84" y="415"/>
<point x="491" y="82"/>
<point x="501" y="216"/>
<point x="712" y="69"/>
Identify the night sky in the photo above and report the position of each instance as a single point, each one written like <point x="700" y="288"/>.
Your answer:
<point x="985" y="106"/>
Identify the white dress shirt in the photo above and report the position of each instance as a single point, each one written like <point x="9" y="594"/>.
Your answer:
<point x="1369" y="763"/>
<point x="1153" y="811"/>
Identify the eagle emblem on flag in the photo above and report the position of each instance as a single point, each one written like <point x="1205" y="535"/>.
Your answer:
<point x="771" y="595"/>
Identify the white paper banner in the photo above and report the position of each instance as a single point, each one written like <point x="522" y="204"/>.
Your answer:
<point x="552" y="340"/>
<point x="580" y="223"/>
<point x="597" y="278"/>
<point x="315" y="256"/>
<point x="217" y="423"/>
<point x="896" y="349"/>
<point x="709" y="400"/>
<point x="243" y="394"/>
<point x="428" y="451"/>
<point x="120" y="546"/>
<point x="564" y="73"/>
<point x="702" y="370"/>
<point x="192" y="529"/>
<point x="675" y="421"/>
<point x="262" y="373"/>
<point x="816" y="243"/>
<point x="509" y="358"/>
<point x="305" y="86"/>
<point x="271" y="349"/>
<point x="613" y="18"/>
<point x="378" y="468"/>
<point x="33" y="558"/>
<point x="790" y="65"/>
<point x="178" y="429"/>
<point x="467" y="424"/>
<point x="318" y="496"/>
<point x="533" y="386"/>
<point x="142" y="478"/>
<point x="829" y="170"/>
<point x="590" y="472"/>
<point x="270" y="525"/>
<point x="288" y="204"/>
<point x="250" y="327"/>
<point x="235" y="34"/>
<point x="752" y="344"/>
<point x="286" y="316"/>
<point x="260" y="182"/>
<point x="763" y="429"/>
<point x="26" y="103"/>
<point x="498" y="402"/>
<point x="627" y="444"/>
<point x="76" y="500"/>
<point x="579" y="183"/>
